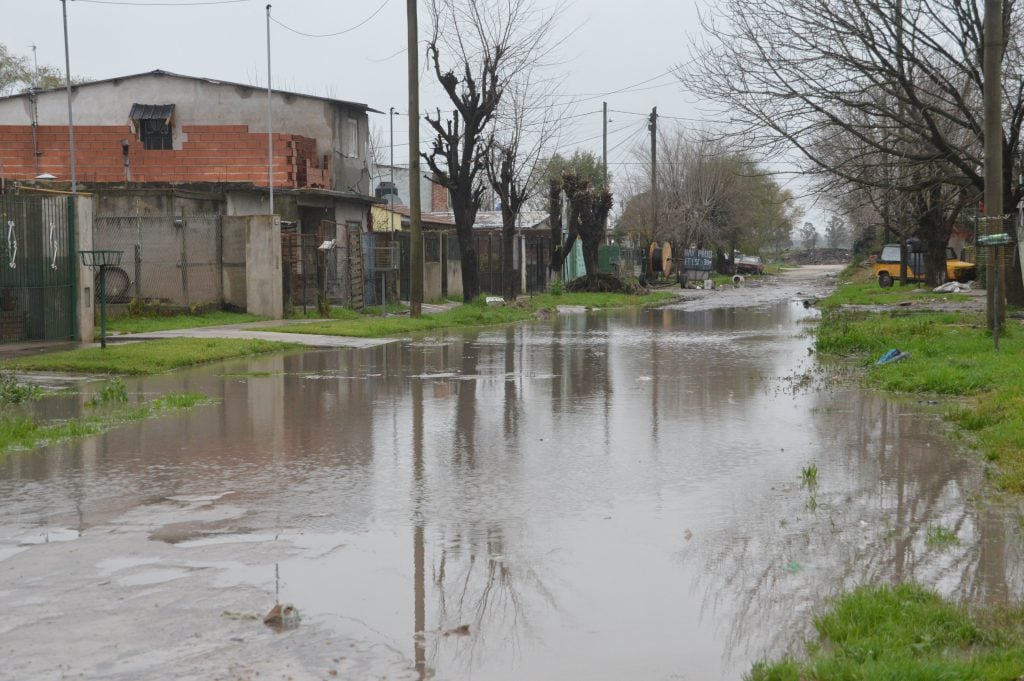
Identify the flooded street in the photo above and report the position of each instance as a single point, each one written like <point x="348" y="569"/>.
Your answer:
<point x="603" y="496"/>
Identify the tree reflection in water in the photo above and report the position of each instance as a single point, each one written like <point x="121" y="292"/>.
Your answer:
<point x="879" y="492"/>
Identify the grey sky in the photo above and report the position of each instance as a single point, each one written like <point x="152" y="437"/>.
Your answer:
<point x="608" y="45"/>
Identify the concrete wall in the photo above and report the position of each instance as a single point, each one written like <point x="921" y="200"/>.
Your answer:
<point x="84" y="275"/>
<point x="432" y="281"/>
<point x="454" y="275"/>
<point x="263" y="284"/>
<point x="235" y="230"/>
<point x="200" y="102"/>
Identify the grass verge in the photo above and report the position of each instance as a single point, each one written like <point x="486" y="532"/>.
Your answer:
<point x="24" y="432"/>
<point x="951" y="353"/>
<point x="472" y="315"/>
<point x="861" y="292"/>
<point x="149" y="323"/>
<point x="149" y="357"/>
<point x="909" y="633"/>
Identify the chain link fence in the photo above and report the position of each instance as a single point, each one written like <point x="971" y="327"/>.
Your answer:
<point x="167" y="260"/>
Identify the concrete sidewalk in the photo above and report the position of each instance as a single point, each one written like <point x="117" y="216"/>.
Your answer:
<point x="240" y="331"/>
<point x="246" y="330"/>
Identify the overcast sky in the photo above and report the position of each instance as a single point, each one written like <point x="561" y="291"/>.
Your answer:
<point x="613" y="51"/>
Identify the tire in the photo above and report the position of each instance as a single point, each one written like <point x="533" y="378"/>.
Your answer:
<point x="884" y="279"/>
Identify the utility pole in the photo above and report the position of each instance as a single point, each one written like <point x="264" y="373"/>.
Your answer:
<point x="993" y="74"/>
<point x="604" y="142"/>
<point x="415" y="227"/>
<point x="391" y="126"/>
<point x="653" y="127"/>
<point x="67" y="82"/>
<point x="604" y="154"/>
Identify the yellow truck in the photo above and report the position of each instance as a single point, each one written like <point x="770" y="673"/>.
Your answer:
<point x="887" y="265"/>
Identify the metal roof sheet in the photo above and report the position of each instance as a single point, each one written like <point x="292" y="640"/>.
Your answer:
<point x="149" y="112"/>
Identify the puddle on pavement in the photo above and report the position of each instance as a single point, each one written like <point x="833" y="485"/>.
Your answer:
<point x="606" y="496"/>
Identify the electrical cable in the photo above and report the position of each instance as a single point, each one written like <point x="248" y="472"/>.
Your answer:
<point x="192" y="3"/>
<point x="332" y="35"/>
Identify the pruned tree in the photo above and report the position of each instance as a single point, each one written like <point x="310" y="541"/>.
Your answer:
<point x="588" y="210"/>
<point x="523" y="133"/>
<point x="585" y="166"/>
<point x="476" y="49"/>
<point x="900" y="80"/>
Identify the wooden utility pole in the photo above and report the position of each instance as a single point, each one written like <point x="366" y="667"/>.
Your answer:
<point x="993" y="220"/>
<point x="604" y="143"/>
<point x="604" y="151"/>
<point x="653" y="127"/>
<point x="415" y="226"/>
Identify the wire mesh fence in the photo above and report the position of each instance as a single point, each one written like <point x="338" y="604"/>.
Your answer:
<point x="170" y="260"/>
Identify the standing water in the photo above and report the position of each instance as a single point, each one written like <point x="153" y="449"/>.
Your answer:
<point x="665" y="494"/>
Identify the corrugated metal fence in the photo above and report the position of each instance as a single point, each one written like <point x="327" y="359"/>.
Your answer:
<point x="37" y="268"/>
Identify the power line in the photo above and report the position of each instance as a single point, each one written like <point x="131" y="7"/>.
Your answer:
<point x="332" y="35"/>
<point x="163" y="4"/>
<point x="622" y="89"/>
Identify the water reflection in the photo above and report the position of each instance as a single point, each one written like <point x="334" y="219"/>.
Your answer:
<point x="604" y="496"/>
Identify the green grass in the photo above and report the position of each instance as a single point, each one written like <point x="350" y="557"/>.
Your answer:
<point x="870" y="293"/>
<point x="114" y="392"/>
<point x="336" y="313"/>
<point x="147" y="357"/>
<point x="149" y="323"/>
<point x="13" y="392"/>
<point x="809" y="476"/>
<point x="905" y="633"/>
<point x="939" y="536"/>
<point x="951" y="354"/>
<point x="19" y="431"/>
<point x="472" y="315"/>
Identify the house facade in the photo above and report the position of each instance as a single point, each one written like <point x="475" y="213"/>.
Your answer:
<point x="167" y="157"/>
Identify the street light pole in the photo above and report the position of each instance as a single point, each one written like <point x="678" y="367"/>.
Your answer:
<point x="270" y="122"/>
<point x="391" y="126"/>
<point x="67" y="82"/>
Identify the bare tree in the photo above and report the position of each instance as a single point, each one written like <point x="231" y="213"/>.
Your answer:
<point x="710" y="195"/>
<point x="524" y="130"/>
<point x="476" y="49"/>
<point x="897" y="79"/>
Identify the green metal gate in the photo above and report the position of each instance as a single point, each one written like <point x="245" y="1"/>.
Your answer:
<point x="37" y="268"/>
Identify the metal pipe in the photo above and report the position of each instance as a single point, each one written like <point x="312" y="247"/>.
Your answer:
<point x="270" y="122"/>
<point x="71" y="118"/>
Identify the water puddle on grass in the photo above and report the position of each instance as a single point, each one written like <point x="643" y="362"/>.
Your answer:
<point x="605" y="496"/>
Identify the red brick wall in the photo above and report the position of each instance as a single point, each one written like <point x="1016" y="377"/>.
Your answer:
<point x="438" y="198"/>
<point x="210" y="153"/>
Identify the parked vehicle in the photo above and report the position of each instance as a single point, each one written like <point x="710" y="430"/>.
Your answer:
<point x="887" y="265"/>
<point x="749" y="264"/>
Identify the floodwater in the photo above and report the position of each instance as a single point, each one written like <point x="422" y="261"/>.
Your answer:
<point x="603" y="496"/>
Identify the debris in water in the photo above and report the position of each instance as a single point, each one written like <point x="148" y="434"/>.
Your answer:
<point x="282" y="616"/>
<point x="893" y="355"/>
<point x="462" y="630"/>
<point x="231" y="615"/>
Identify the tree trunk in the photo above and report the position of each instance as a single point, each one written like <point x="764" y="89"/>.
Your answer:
<point x="508" y="233"/>
<point x="590" y="255"/>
